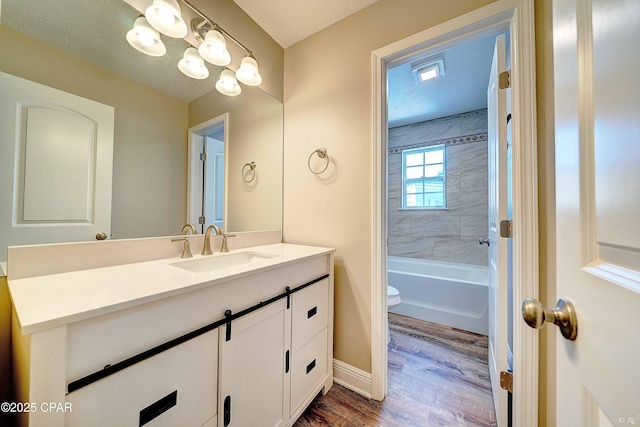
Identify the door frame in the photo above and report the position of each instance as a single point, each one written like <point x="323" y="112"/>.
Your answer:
<point x="194" y="191"/>
<point x="518" y="17"/>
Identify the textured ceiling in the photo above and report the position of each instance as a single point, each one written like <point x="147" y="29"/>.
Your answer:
<point x="289" y="21"/>
<point x="463" y="87"/>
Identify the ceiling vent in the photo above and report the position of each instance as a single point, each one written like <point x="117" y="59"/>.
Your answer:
<point x="428" y="69"/>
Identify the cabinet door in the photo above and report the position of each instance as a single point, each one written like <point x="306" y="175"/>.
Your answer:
<point x="253" y="382"/>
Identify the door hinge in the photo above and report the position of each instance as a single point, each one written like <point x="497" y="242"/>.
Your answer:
<point x="506" y="381"/>
<point x="506" y="228"/>
<point x="203" y="157"/>
<point x="201" y="220"/>
<point x="504" y="79"/>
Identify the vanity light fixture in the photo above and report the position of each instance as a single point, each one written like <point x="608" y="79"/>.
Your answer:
<point x="428" y="69"/>
<point x="165" y="16"/>
<point x="144" y="38"/>
<point x="228" y="85"/>
<point x="192" y="65"/>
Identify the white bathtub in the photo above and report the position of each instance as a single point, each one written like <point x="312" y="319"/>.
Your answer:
<point x="447" y="293"/>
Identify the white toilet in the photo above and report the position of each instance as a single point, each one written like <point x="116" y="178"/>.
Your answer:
<point x="393" y="299"/>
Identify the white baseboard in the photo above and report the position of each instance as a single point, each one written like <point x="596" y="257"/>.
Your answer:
<point x="352" y="378"/>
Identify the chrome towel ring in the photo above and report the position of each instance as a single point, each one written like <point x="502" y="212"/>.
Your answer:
<point x="322" y="154"/>
<point x="251" y="171"/>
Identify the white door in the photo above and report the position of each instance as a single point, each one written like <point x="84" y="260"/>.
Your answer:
<point x="56" y="156"/>
<point x="206" y="200"/>
<point x="597" y="138"/>
<point x="497" y="117"/>
<point x="213" y="182"/>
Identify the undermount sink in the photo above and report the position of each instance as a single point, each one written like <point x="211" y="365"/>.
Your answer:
<point x="216" y="262"/>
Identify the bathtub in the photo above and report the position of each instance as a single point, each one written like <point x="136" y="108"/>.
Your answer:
<point x="447" y="293"/>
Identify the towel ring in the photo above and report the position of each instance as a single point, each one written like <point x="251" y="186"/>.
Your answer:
<point x="322" y="153"/>
<point x="252" y="170"/>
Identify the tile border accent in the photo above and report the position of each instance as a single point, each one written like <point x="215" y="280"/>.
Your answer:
<point x="458" y="140"/>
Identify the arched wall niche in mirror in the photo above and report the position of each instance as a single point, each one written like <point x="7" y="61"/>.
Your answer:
<point x="154" y="107"/>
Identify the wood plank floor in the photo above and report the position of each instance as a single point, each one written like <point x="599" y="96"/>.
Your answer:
<point x="437" y="376"/>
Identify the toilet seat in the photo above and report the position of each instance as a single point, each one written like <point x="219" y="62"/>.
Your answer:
<point x="393" y="297"/>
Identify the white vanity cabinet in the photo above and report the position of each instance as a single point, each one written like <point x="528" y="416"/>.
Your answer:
<point x="258" y="349"/>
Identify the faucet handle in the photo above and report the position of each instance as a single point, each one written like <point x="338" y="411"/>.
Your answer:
<point x="225" y="246"/>
<point x="186" y="249"/>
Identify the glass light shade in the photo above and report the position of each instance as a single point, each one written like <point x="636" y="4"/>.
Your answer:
<point x="214" y="49"/>
<point x="228" y="85"/>
<point x="144" y="38"/>
<point x="164" y="16"/>
<point x="248" y="72"/>
<point x="192" y="65"/>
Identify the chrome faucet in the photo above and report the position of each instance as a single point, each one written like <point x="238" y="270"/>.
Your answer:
<point x="206" y="248"/>
<point x="188" y="227"/>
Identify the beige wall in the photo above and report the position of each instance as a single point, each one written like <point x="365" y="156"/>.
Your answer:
<point x="327" y="96"/>
<point x="255" y="135"/>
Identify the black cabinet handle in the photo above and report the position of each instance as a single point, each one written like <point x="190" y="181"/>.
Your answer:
<point x="158" y="408"/>
<point x="312" y="312"/>
<point x="311" y="365"/>
<point x="227" y="411"/>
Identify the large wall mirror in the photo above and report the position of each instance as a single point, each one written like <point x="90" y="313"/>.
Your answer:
<point x="79" y="47"/>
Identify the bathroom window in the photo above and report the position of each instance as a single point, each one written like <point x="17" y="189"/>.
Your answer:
<point x="423" y="178"/>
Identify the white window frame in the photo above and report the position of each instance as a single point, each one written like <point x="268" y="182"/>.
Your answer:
<point x="425" y="149"/>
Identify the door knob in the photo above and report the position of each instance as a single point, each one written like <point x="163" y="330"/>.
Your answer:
<point x="101" y="236"/>
<point x="564" y="315"/>
<point x="484" y="241"/>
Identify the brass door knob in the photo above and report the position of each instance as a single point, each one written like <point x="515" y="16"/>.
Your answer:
<point x="101" y="236"/>
<point x="563" y="315"/>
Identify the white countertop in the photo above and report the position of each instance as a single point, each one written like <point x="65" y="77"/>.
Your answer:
<point x="44" y="302"/>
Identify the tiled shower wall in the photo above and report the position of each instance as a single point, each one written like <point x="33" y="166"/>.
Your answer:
<point x="449" y="234"/>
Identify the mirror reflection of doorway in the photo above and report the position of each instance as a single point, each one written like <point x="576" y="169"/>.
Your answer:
<point x="207" y="147"/>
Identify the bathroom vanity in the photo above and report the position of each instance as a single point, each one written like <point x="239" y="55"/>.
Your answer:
<point x="237" y="339"/>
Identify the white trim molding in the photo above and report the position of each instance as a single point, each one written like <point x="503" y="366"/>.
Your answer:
<point x="517" y="16"/>
<point x="352" y="378"/>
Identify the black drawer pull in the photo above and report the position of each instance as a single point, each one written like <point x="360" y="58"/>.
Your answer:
<point x="311" y="365"/>
<point x="312" y="312"/>
<point x="227" y="411"/>
<point x="158" y="408"/>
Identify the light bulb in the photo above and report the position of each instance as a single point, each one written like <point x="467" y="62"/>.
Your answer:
<point x="192" y="65"/>
<point x="214" y="49"/>
<point x="228" y="85"/>
<point x="144" y="38"/>
<point x="248" y="71"/>
<point x="164" y="16"/>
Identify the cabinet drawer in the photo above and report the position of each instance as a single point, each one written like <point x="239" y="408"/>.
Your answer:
<point x="308" y="368"/>
<point x="175" y="387"/>
<point x="310" y="307"/>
